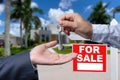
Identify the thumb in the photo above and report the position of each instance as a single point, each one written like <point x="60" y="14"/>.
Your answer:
<point x="51" y="44"/>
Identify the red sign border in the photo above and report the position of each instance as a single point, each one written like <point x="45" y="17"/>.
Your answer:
<point x="104" y="64"/>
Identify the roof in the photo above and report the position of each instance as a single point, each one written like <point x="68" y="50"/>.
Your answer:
<point x="74" y="36"/>
<point x="2" y="35"/>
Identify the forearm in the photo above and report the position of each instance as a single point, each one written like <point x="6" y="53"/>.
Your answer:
<point x="85" y="29"/>
<point x="100" y="33"/>
<point x="107" y="34"/>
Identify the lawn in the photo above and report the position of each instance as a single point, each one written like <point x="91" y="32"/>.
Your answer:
<point x="17" y="50"/>
<point x="1" y="52"/>
<point x="68" y="49"/>
<point x="14" y="50"/>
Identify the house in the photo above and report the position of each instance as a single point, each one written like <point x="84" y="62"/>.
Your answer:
<point x="54" y="33"/>
<point x="47" y="34"/>
<point x="2" y="43"/>
<point x="43" y="35"/>
<point x="14" y="40"/>
<point x="50" y="33"/>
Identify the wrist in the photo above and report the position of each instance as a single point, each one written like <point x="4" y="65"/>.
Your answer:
<point x="32" y="62"/>
<point x="32" y="58"/>
<point x="85" y="30"/>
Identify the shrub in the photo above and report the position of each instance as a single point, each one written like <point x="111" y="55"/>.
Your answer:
<point x="2" y="52"/>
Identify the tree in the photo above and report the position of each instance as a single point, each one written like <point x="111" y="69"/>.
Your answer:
<point x="99" y="15"/>
<point x="17" y="13"/>
<point x="7" y="27"/>
<point x="29" y="19"/>
<point x="24" y="12"/>
<point x="1" y="1"/>
<point x="115" y="10"/>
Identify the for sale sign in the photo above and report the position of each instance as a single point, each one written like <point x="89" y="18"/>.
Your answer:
<point x="91" y="57"/>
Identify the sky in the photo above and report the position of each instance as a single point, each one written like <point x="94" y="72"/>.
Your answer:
<point x="53" y="9"/>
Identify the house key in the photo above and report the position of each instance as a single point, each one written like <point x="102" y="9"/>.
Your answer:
<point x="60" y="45"/>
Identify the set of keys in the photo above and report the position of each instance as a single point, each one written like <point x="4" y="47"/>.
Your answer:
<point x="60" y="43"/>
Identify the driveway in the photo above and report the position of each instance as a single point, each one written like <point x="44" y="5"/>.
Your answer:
<point x="65" y="72"/>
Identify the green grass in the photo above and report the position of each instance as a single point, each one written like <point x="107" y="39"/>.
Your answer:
<point x="1" y="52"/>
<point x="15" y="50"/>
<point x="108" y="52"/>
<point x="66" y="50"/>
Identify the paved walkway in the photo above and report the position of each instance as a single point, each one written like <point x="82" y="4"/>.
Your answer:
<point x="64" y="72"/>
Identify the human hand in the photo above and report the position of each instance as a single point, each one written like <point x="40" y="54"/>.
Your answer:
<point x="42" y="56"/>
<point x="73" y="22"/>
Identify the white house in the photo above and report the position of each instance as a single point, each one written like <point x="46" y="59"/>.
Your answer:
<point x="14" y="40"/>
<point x="48" y="33"/>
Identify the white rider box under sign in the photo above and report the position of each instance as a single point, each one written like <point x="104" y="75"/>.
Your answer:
<point x="91" y="57"/>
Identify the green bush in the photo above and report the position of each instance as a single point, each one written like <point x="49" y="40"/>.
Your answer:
<point x="1" y="52"/>
<point x="32" y="42"/>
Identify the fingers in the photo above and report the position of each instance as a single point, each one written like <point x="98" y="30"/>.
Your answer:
<point x="67" y="32"/>
<point x="68" y="26"/>
<point x="51" y="44"/>
<point x="66" y="20"/>
<point x="68" y="16"/>
<point x="66" y="23"/>
<point x="71" y="57"/>
<point x="65" y="58"/>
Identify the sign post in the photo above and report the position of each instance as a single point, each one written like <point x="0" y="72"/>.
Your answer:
<point x="91" y="57"/>
<point x="114" y="57"/>
<point x="114" y="63"/>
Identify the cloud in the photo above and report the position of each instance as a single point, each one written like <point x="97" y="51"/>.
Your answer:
<point x="33" y="4"/>
<point x="44" y="22"/>
<point x="15" y="29"/>
<point x="109" y="10"/>
<point x="104" y="4"/>
<point x="1" y="23"/>
<point x="54" y="14"/>
<point x="65" y="4"/>
<point x="89" y="7"/>
<point x="2" y="8"/>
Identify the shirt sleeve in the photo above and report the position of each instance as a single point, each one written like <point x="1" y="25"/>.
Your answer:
<point x="107" y="34"/>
